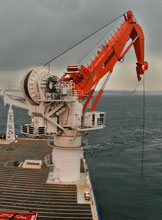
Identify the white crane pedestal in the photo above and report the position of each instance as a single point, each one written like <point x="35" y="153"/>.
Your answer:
<point x="66" y="164"/>
<point x="66" y="158"/>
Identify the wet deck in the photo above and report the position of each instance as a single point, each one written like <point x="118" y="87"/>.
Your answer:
<point x="26" y="189"/>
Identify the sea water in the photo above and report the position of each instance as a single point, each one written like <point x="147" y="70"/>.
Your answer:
<point x="123" y="191"/>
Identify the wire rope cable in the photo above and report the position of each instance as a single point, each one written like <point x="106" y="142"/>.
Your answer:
<point x="68" y="49"/>
<point x="90" y="50"/>
<point x="143" y="126"/>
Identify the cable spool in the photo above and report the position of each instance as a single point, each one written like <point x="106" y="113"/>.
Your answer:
<point x="33" y="82"/>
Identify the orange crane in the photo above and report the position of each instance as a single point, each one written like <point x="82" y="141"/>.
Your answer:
<point x="86" y="78"/>
<point x="57" y="106"/>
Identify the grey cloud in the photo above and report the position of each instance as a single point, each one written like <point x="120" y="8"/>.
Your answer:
<point x="34" y="31"/>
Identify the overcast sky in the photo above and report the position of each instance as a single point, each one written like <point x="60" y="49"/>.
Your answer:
<point x="34" y="31"/>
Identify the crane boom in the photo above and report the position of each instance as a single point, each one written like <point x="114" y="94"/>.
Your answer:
<point x="112" y="52"/>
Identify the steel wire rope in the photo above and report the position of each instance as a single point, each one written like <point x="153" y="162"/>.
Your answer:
<point x="68" y="49"/>
<point x="135" y="19"/>
<point x="134" y="90"/>
<point x="87" y="53"/>
<point x="143" y="126"/>
<point x="49" y="68"/>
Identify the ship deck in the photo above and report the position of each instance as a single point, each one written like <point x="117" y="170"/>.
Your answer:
<point x="26" y="190"/>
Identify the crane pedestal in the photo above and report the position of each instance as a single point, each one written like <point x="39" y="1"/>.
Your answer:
<point x="66" y="156"/>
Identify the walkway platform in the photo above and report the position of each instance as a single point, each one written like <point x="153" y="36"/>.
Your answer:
<point x="26" y="190"/>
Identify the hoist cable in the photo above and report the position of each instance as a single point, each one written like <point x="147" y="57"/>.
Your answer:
<point x="134" y="90"/>
<point x="48" y="68"/>
<point x="82" y="40"/>
<point x="135" y="19"/>
<point x="143" y="125"/>
<point x="88" y="52"/>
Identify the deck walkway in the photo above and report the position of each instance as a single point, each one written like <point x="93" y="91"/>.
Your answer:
<point x="26" y="190"/>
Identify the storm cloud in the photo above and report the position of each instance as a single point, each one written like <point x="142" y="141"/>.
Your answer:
<point x="34" y="31"/>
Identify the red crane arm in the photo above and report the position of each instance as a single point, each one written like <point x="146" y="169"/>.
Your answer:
<point x="106" y="58"/>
